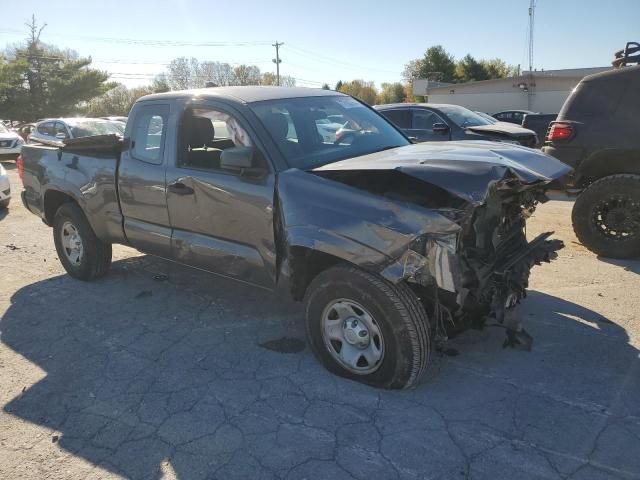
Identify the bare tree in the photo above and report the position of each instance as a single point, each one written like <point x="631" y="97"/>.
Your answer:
<point x="247" y="75"/>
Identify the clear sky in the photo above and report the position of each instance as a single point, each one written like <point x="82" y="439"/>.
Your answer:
<point x="326" y="40"/>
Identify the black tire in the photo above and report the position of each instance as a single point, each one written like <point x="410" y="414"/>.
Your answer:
<point x="398" y="313"/>
<point x="593" y="232"/>
<point x="96" y="256"/>
<point x="4" y="203"/>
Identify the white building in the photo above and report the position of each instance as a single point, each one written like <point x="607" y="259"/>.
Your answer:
<point x="540" y="91"/>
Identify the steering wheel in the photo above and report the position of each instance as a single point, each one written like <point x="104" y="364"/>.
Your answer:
<point x="343" y="136"/>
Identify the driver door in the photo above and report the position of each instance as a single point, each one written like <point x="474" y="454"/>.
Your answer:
<point x="221" y="220"/>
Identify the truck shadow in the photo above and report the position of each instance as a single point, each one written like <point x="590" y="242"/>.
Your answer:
<point x="157" y="362"/>
<point x="628" y="265"/>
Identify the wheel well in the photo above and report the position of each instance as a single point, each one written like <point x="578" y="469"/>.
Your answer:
<point x="53" y="199"/>
<point x="305" y="265"/>
<point x="607" y="163"/>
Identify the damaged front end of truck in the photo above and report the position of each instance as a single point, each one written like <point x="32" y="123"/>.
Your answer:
<point x="449" y="221"/>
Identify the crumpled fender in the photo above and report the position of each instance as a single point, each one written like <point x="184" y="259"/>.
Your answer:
<point x="367" y="230"/>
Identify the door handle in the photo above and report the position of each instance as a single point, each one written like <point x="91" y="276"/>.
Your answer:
<point x="180" y="188"/>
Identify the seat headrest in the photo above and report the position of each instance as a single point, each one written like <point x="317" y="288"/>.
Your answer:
<point x="199" y="132"/>
<point x="277" y="124"/>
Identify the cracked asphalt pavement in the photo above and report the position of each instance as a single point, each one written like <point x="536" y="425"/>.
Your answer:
<point x="159" y="371"/>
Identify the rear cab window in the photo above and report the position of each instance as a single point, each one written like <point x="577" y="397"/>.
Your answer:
<point x="148" y="133"/>
<point x="400" y="118"/>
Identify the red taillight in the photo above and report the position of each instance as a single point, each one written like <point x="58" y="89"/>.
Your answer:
<point x="560" y="131"/>
<point x="20" y="166"/>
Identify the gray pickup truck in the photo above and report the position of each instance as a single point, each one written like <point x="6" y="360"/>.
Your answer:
<point x="392" y="246"/>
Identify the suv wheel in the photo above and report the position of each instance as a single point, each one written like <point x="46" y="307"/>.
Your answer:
<point x="364" y="328"/>
<point x="606" y="216"/>
<point x="83" y="255"/>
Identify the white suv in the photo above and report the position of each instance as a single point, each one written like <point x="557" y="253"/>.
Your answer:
<point x="10" y="142"/>
<point x="5" y="188"/>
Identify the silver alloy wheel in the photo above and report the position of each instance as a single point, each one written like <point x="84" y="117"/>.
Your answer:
<point x="352" y="336"/>
<point x="71" y="243"/>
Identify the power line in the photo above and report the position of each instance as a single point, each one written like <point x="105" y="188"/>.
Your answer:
<point x="333" y="61"/>
<point x="149" y="42"/>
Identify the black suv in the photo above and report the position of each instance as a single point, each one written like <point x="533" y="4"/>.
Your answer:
<point x="597" y="133"/>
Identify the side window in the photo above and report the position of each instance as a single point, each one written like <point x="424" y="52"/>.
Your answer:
<point x="504" y="117"/>
<point x="204" y="134"/>
<point x="424" y="119"/>
<point x="149" y="131"/>
<point x="60" y="129"/>
<point x="400" y="118"/>
<point x="517" y="117"/>
<point x="46" y="128"/>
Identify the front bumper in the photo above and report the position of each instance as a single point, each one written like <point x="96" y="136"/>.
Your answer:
<point x="10" y="150"/>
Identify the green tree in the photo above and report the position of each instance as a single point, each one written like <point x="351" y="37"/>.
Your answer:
<point x="391" y="93"/>
<point x="338" y="85"/>
<point x="468" y="69"/>
<point x="39" y="80"/>
<point x="325" y="86"/>
<point x="365" y="91"/>
<point x="436" y="64"/>
<point x="497" y="68"/>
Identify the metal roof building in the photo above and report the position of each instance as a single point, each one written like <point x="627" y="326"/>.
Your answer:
<point x="541" y="91"/>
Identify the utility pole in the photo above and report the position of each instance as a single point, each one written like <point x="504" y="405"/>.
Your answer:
<point x="532" y="81"/>
<point x="532" y="14"/>
<point x="277" y="60"/>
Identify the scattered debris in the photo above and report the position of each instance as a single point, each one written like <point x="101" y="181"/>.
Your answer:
<point x="284" y="345"/>
<point x="54" y="439"/>
<point x="161" y="277"/>
<point x="11" y="246"/>
<point x="144" y="293"/>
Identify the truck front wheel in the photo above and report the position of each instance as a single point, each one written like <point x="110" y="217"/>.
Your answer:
<point x="83" y="255"/>
<point x="362" y="327"/>
<point x="606" y="216"/>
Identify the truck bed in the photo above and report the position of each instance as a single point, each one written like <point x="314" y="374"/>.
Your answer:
<point x="83" y="169"/>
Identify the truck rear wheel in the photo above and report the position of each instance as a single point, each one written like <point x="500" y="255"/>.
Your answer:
<point x="606" y="216"/>
<point x="83" y="255"/>
<point x="362" y="327"/>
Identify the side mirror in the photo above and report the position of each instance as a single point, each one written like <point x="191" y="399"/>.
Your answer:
<point x="440" y="127"/>
<point x="241" y="160"/>
<point x="237" y="158"/>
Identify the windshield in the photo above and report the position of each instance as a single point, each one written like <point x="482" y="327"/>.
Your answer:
<point x="3" y="129"/>
<point x="463" y="117"/>
<point x="299" y="128"/>
<point x="487" y="117"/>
<point x="87" y="128"/>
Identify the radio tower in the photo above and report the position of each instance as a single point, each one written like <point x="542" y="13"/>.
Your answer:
<point x="532" y="15"/>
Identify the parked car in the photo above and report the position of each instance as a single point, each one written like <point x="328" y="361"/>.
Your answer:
<point x="539" y="123"/>
<point x="5" y="188"/>
<point x="512" y="116"/>
<point x="10" y="142"/>
<point x="596" y="133"/>
<point x="388" y="243"/>
<point x="424" y="122"/>
<point x="116" y="118"/>
<point x="57" y="129"/>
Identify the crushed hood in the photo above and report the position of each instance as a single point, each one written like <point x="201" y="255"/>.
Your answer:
<point x="504" y="128"/>
<point x="465" y="169"/>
